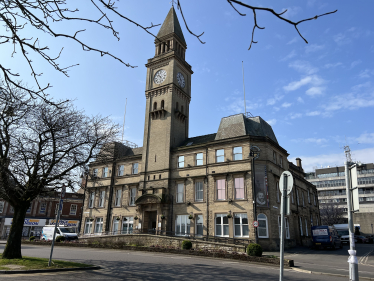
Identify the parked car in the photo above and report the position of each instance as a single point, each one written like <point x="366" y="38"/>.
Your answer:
<point x="361" y="239"/>
<point x="326" y="236"/>
<point x="370" y="238"/>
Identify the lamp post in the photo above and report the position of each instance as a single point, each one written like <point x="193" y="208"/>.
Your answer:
<point x="83" y="175"/>
<point x="254" y="154"/>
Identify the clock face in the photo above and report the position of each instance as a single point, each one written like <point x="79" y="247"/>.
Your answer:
<point x="180" y="79"/>
<point x="160" y="76"/>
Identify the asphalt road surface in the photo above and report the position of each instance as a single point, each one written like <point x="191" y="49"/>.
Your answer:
<point x="133" y="265"/>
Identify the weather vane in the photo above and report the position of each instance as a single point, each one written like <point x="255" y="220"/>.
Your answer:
<point x="173" y="2"/>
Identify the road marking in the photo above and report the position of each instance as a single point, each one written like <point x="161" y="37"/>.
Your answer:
<point x="229" y="262"/>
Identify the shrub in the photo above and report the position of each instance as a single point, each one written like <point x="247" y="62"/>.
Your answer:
<point x="186" y="244"/>
<point x="254" y="250"/>
<point x="60" y="238"/>
<point x="32" y="238"/>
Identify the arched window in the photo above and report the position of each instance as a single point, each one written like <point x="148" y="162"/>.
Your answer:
<point x="155" y="106"/>
<point x="182" y="109"/>
<point x="177" y="106"/>
<point x="162" y="104"/>
<point x="263" y="231"/>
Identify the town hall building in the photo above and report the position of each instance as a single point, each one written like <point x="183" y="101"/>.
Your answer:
<point x="212" y="185"/>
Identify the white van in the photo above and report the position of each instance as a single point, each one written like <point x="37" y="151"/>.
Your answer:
<point x="67" y="232"/>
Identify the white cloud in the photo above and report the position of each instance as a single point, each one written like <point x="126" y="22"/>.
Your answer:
<point x="274" y="99"/>
<point x="356" y="62"/>
<point x="311" y="79"/>
<point x="235" y="104"/>
<point x="311" y="140"/>
<point x="315" y="91"/>
<point x="366" y="73"/>
<point x="366" y="138"/>
<point x="303" y="66"/>
<point x="289" y="56"/>
<point x="313" y="113"/>
<point x="272" y="122"/>
<point x="286" y="104"/>
<point x="341" y="39"/>
<point x="295" y="115"/>
<point x="332" y="65"/>
<point x="359" y="87"/>
<point x="300" y="100"/>
<point x="294" y="40"/>
<point x="313" y="48"/>
<point x="335" y="159"/>
<point x="349" y="101"/>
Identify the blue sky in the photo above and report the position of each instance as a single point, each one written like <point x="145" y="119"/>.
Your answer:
<point x="317" y="96"/>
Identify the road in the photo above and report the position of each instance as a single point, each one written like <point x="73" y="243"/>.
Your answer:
<point x="132" y="265"/>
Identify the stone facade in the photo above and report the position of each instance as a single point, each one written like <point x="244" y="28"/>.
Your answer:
<point x="200" y="186"/>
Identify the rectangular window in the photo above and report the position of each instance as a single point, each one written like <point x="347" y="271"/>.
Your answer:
<point x="115" y="225"/>
<point x="102" y="198"/>
<point x="88" y="226"/>
<point x="297" y="197"/>
<point x="118" y="197"/>
<point x="135" y="167"/>
<point x="105" y="172"/>
<point x="199" y="159"/>
<point x="127" y="225"/>
<point x="221" y="190"/>
<point x="182" y="225"/>
<point x="286" y="227"/>
<point x="1" y="207"/>
<point x="180" y="192"/>
<point x="91" y="200"/>
<point x="199" y="225"/>
<point x="306" y="228"/>
<point x="132" y="196"/>
<point x="277" y="191"/>
<point x="43" y="206"/>
<point x="222" y="225"/>
<point x="315" y="199"/>
<point x="238" y="155"/>
<point x="281" y="161"/>
<point x="180" y="161"/>
<point x="94" y="173"/>
<point x="302" y="196"/>
<point x="121" y="170"/>
<point x="199" y="195"/>
<point x="301" y="226"/>
<point x="220" y="155"/>
<point x="239" y="188"/>
<point x="241" y="225"/>
<point x="308" y="196"/>
<point x="99" y="225"/>
<point x="29" y="209"/>
<point x="292" y="199"/>
<point x="73" y="209"/>
<point x="274" y="157"/>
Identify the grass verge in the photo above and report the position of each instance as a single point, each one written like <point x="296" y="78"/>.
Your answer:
<point x="30" y="263"/>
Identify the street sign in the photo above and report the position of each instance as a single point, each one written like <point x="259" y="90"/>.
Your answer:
<point x="355" y="200"/>
<point x="289" y="182"/>
<point x="255" y="223"/>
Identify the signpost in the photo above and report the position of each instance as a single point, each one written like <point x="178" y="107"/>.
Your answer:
<point x="62" y="195"/>
<point x="255" y="224"/>
<point x="285" y="184"/>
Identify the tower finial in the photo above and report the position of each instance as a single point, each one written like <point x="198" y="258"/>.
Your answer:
<point x="173" y="2"/>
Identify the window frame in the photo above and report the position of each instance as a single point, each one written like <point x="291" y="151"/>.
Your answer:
<point x="197" y="223"/>
<point x="238" y="188"/>
<point x="118" y="199"/>
<point x="135" y="168"/>
<point x="30" y="208"/>
<point x="201" y="192"/>
<point x="88" y="223"/>
<point x="91" y="200"/>
<point x="224" y="189"/>
<point x="274" y="157"/>
<point x="180" y="193"/>
<point x="241" y="225"/>
<point x="281" y="161"/>
<point x="45" y="207"/>
<point x="76" y="209"/>
<point x="297" y="197"/>
<point x="121" y="170"/>
<point x="132" y="197"/>
<point x="218" y="156"/>
<point x="102" y="199"/>
<point x="301" y="226"/>
<point x="302" y="196"/>
<point x="99" y="222"/>
<point x="180" y="161"/>
<point x="265" y="218"/>
<point x="306" y="227"/>
<point x="197" y="159"/>
<point x="222" y="226"/>
<point x="308" y="196"/>
<point x="105" y="172"/>
<point x="183" y="219"/>
<point x="129" y="223"/>
<point x="235" y="154"/>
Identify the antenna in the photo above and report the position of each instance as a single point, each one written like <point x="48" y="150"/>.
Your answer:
<point x="347" y="151"/>
<point x="124" y="118"/>
<point x="245" y="106"/>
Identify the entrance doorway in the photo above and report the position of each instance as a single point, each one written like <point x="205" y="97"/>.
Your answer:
<point x="150" y="221"/>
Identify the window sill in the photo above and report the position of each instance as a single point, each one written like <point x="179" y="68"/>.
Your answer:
<point x="199" y="202"/>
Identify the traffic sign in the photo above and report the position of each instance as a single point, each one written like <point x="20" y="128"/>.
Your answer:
<point x="63" y="191"/>
<point x="255" y="223"/>
<point x="60" y="206"/>
<point x="289" y="182"/>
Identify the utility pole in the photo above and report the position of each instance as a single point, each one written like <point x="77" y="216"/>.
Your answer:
<point x="353" y="263"/>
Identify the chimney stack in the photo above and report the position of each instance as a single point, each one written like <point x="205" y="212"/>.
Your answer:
<point x="298" y="163"/>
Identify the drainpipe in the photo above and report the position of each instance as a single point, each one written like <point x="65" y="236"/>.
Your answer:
<point x="110" y="201"/>
<point x="254" y="197"/>
<point x="207" y="191"/>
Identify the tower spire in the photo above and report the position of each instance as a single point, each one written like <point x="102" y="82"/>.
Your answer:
<point x="171" y="25"/>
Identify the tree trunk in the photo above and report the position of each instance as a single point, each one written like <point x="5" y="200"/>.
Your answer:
<point x="13" y="246"/>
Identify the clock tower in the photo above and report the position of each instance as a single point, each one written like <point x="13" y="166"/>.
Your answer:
<point x="168" y="96"/>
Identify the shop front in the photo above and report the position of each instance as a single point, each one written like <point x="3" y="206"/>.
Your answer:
<point x="31" y="227"/>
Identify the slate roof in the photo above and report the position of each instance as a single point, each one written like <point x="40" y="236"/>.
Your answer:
<point x="134" y="151"/>
<point x="171" y="25"/>
<point x="199" y="139"/>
